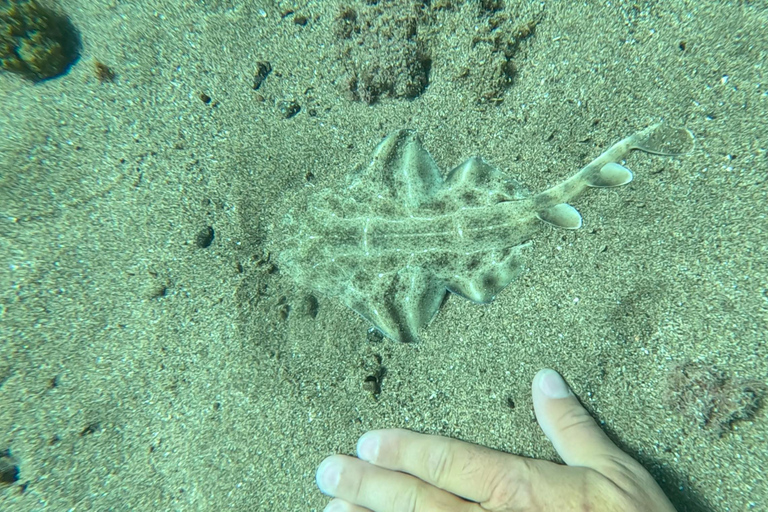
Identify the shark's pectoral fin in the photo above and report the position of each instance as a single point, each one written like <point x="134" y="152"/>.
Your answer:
<point x="400" y="303"/>
<point x="404" y="169"/>
<point x="494" y="272"/>
<point x="561" y="215"/>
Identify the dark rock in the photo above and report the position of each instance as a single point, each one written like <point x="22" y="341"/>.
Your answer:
<point x="36" y="42"/>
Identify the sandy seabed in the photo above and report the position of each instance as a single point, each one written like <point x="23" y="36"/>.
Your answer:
<point x="153" y="356"/>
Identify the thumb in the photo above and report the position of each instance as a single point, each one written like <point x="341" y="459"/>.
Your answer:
<point x="577" y="438"/>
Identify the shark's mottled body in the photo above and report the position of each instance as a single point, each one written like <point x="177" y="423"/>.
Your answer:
<point x="399" y="236"/>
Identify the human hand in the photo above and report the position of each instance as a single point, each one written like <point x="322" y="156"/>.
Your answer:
<point x="403" y="471"/>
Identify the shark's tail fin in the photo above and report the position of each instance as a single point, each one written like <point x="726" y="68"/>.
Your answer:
<point x="663" y="139"/>
<point x="606" y="171"/>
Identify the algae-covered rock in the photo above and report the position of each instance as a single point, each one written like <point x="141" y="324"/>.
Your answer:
<point x="36" y="42"/>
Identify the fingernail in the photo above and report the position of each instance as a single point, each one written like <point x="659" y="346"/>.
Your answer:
<point x="328" y="475"/>
<point x="553" y="385"/>
<point x="368" y="447"/>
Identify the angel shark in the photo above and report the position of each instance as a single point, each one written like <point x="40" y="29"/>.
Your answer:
<point x="398" y="237"/>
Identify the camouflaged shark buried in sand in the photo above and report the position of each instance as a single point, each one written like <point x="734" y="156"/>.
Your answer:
<point x="398" y="237"/>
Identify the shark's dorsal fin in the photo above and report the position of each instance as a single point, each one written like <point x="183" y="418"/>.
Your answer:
<point x="610" y="175"/>
<point x="561" y="215"/>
